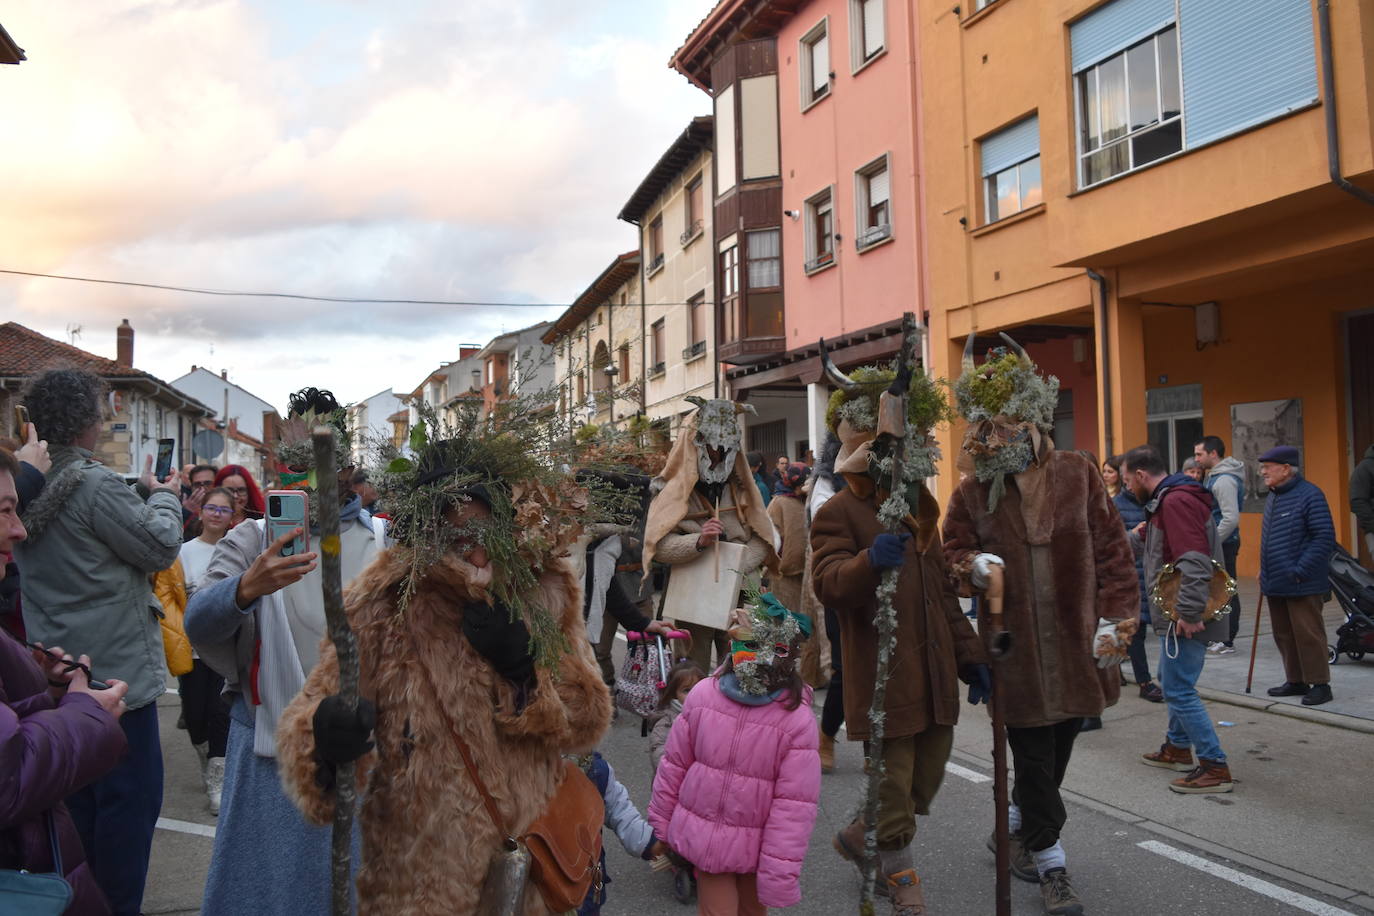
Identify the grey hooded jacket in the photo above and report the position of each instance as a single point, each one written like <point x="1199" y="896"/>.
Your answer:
<point x="91" y="547"/>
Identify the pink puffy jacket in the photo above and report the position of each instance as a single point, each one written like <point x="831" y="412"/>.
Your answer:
<point x="737" y="789"/>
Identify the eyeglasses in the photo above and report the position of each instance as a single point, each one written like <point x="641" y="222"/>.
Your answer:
<point x="218" y="510"/>
<point x="202" y="484"/>
<point x="238" y="491"/>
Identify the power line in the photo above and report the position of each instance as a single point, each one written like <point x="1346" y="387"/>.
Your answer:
<point x="347" y="299"/>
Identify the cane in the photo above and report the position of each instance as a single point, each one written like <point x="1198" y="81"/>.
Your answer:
<point x="999" y="647"/>
<point x="1254" y="644"/>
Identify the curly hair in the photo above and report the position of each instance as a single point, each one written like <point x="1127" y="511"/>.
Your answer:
<point x="64" y="403"/>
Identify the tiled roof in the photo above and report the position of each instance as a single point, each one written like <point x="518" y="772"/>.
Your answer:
<point x="24" y="351"/>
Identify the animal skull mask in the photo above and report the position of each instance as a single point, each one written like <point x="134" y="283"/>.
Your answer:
<point x="717" y="440"/>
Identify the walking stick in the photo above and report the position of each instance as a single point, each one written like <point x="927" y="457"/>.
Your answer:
<point x="999" y="647"/>
<point x="346" y="647"/>
<point x="717" y="550"/>
<point x="1254" y="643"/>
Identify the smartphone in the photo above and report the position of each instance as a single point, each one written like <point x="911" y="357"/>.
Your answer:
<point x="286" y="510"/>
<point x="163" y="468"/>
<point x="21" y="422"/>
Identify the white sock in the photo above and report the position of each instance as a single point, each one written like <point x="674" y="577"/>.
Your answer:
<point x="1013" y="818"/>
<point x="1053" y="857"/>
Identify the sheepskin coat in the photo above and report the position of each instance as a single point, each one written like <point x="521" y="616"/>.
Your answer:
<point x="1067" y="564"/>
<point x="427" y="838"/>
<point x="934" y="638"/>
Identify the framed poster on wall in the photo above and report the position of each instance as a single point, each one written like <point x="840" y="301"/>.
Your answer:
<point x="1256" y="427"/>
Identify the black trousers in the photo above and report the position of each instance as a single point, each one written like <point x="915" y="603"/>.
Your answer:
<point x="207" y="714"/>
<point x="832" y="713"/>
<point x="1039" y="757"/>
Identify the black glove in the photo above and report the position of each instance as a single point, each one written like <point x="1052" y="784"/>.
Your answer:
<point x="887" y="550"/>
<point x="501" y="640"/>
<point x="341" y="735"/>
<point x="979" y="680"/>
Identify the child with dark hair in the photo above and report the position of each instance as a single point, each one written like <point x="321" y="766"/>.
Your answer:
<point x="681" y="679"/>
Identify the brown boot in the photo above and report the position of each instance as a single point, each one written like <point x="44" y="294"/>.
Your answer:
<point x="1207" y="777"/>
<point x="904" y="888"/>
<point x="1170" y="757"/>
<point x="827" y="753"/>
<point x="1057" y="894"/>
<point x="1022" y="863"/>
<point x="849" y="843"/>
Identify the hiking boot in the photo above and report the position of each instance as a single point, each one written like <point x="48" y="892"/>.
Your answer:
<point x="904" y="888"/>
<point x="1057" y="894"/>
<point x="849" y="843"/>
<point x="1151" y="692"/>
<point x="1319" y="694"/>
<point x="1022" y="863"/>
<point x="1288" y="689"/>
<point x="1206" y="778"/>
<point x="1170" y="757"/>
<point x="214" y="782"/>
<point x="827" y="753"/>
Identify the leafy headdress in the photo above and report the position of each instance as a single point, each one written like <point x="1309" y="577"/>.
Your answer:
<point x="1010" y="409"/>
<point x="765" y="643"/>
<point x="306" y="409"/>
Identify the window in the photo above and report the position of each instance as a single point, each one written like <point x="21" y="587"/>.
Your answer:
<point x="729" y="271"/>
<point x="1173" y="420"/>
<point x="1011" y="170"/>
<point x="725" y="139"/>
<point x="658" y="348"/>
<point x="980" y="4"/>
<point x="696" y="323"/>
<point x="693" y="210"/>
<point x="1129" y="109"/>
<point x="765" y="258"/>
<point x="871" y="204"/>
<point x="624" y="364"/>
<point x="581" y="387"/>
<point x="820" y="231"/>
<point x="655" y="245"/>
<point x="814" y="55"/>
<point x="866" y="39"/>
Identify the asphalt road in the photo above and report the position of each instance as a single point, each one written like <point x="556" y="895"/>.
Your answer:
<point x="1296" y="836"/>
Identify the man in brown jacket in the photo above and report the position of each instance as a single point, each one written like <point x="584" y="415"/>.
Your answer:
<point x="935" y="648"/>
<point x="1045" y="517"/>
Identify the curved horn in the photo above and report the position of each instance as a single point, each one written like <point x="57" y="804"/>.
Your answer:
<point x="968" y="350"/>
<point x="832" y="371"/>
<point x="1016" y="347"/>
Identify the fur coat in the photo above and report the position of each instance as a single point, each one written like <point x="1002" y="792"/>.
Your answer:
<point x="427" y="838"/>
<point x="1067" y="564"/>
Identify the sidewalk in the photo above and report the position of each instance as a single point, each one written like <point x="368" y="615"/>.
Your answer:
<point x="1223" y="678"/>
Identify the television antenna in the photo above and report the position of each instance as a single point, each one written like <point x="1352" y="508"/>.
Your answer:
<point x="73" y="333"/>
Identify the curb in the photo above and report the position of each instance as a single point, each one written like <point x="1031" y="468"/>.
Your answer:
<point x="1318" y="716"/>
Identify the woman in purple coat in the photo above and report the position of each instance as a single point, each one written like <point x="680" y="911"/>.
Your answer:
<point x="56" y="735"/>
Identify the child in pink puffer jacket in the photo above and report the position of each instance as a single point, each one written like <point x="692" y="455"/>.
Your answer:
<point x="737" y="788"/>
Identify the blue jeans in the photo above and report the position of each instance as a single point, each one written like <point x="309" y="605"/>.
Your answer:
<point x="116" y="814"/>
<point x="1189" y="723"/>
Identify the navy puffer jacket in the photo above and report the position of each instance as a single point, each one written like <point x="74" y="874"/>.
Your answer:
<point x="1297" y="541"/>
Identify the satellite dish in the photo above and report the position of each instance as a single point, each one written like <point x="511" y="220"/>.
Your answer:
<point x="208" y="443"/>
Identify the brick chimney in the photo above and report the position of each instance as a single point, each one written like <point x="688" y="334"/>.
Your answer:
<point x="124" y="344"/>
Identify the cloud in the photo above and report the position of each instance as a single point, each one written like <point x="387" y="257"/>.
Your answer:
<point x="417" y="150"/>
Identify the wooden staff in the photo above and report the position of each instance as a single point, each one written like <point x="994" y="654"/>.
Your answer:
<point x="998" y="648"/>
<point x="717" y="550"/>
<point x="1254" y="643"/>
<point x="346" y="647"/>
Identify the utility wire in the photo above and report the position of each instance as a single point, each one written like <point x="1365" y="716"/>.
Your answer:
<point x="350" y="299"/>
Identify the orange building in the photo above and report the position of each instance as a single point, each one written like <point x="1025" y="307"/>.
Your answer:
<point x="1169" y="202"/>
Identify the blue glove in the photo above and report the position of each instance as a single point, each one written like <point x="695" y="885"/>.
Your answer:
<point x="887" y="551"/>
<point x="979" y="680"/>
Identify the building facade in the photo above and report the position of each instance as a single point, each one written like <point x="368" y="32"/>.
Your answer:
<point x="370" y="425"/>
<point x="517" y="363"/>
<point x="1160" y="199"/>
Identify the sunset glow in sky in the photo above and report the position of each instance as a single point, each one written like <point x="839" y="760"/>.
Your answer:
<point x="477" y="150"/>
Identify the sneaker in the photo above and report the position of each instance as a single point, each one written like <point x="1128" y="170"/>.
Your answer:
<point x="1288" y="689"/>
<point x="1170" y="758"/>
<point x="214" y="782"/>
<point x="1319" y="694"/>
<point x="1206" y="778"/>
<point x="1214" y="647"/>
<point x="1022" y="863"/>
<point x="904" y="888"/>
<point x="1151" y="692"/>
<point x="1223" y="649"/>
<point x="1057" y="894"/>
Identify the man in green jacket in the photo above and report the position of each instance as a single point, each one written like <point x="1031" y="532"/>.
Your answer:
<point x="93" y="541"/>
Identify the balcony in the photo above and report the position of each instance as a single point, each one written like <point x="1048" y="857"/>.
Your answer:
<point x="872" y="236"/>
<point x="695" y="350"/>
<point x="691" y="233"/>
<point x="752" y="328"/>
<point x="654" y="266"/>
<point x="657" y="369"/>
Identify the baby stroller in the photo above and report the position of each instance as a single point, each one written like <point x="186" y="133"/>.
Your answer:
<point x="1353" y="586"/>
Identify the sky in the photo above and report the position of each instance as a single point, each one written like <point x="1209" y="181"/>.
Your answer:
<point x="476" y="151"/>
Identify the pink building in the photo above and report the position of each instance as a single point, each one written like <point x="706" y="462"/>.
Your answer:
<point x="817" y="196"/>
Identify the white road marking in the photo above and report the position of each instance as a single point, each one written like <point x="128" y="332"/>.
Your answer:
<point x="1249" y="882"/>
<point x="167" y="823"/>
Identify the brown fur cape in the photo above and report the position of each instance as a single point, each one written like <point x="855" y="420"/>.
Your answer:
<point x="427" y="839"/>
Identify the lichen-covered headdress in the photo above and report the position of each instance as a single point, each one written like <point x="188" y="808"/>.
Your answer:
<point x="295" y="452"/>
<point x="1010" y="409"/>
<point x="765" y="643"/>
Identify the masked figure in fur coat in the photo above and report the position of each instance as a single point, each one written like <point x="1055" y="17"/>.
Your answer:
<point x="470" y="629"/>
<point x="706" y="472"/>
<point x="1044" y="515"/>
<point x="935" y="644"/>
